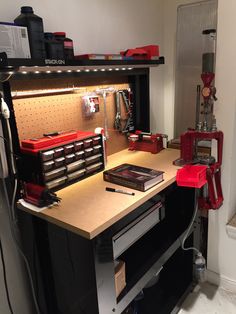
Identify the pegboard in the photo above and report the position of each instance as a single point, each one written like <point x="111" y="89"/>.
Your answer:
<point x="64" y="112"/>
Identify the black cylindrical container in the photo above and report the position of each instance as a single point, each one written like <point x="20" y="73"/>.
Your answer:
<point x="34" y="25"/>
<point x="54" y="48"/>
<point x="208" y="62"/>
<point x="68" y="44"/>
<point x="208" y="56"/>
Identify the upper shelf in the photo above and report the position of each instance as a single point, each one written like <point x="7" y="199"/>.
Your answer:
<point x="46" y="65"/>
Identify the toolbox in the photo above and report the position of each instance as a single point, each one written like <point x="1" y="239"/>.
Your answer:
<point x="60" y="160"/>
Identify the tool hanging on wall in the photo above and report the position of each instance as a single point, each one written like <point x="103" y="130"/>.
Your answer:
<point x="211" y="195"/>
<point x="126" y="96"/>
<point x="90" y="104"/>
<point x="103" y="92"/>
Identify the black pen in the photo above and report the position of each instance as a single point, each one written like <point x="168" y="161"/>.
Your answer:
<point x="119" y="191"/>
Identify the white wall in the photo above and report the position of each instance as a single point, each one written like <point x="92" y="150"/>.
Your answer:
<point x="222" y="249"/>
<point x="169" y="46"/>
<point x="96" y="26"/>
<point x="100" y="26"/>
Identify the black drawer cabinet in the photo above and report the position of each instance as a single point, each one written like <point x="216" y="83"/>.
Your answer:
<point x="74" y="275"/>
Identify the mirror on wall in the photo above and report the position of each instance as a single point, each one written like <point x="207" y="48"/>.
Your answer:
<point x="192" y="19"/>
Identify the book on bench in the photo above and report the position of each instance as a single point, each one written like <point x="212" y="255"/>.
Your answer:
<point x="133" y="176"/>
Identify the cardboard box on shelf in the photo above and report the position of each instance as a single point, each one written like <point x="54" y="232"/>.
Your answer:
<point x="120" y="279"/>
<point x="14" y="41"/>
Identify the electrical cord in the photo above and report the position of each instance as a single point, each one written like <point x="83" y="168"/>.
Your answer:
<point x="13" y="166"/>
<point x="5" y="277"/>
<point x="190" y="227"/>
<point x="11" y="152"/>
<point x="11" y="147"/>
<point x="7" y="78"/>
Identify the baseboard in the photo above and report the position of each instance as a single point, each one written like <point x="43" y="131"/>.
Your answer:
<point x="231" y="227"/>
<point x="231" y="231"/>
<point x="221" y="281"/>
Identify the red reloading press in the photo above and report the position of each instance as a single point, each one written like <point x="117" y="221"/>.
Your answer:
<point x="210" y="174"/>
<point x="208" y="169"/>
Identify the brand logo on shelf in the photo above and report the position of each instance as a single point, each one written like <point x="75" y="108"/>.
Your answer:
<point x="54" y="61"/>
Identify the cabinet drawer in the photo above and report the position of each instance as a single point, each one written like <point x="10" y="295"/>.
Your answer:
<point x="59" y="162"/>
<point x="55" y="183"/>
<point x="75" y="165"/>
<point x="58" y="152"/>
<point x="92" y="159"/>
<point x="47" y="155"/>
<point x="136" y="229"/>
<point x="48" y="165"/>
<point x="48" y="176"/>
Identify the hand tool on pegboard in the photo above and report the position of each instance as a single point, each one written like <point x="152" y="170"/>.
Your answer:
<point x="127" y="97"/>
<point x="104" y="92"/>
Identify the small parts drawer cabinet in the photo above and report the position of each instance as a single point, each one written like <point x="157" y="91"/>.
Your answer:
<point x="63" y="163"/>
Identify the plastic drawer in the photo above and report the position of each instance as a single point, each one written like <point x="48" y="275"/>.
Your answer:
<point x="97" y="149"/>
<point x="70" y="158"/>
<point x="48" y="165"/>
<point x="88" y="143"/>
<point x="79" y="155"/>
<point x="94" y="167"/>
<point x="47" y="155"/>
<point x="58" y="152"/>
<point x="48" y="176"/>
<point x="57" y="182"/>
<point x="92" y="159"/>
<point x="78" y="146"/>
<point x="88" y="152"/>
<point x="76" y="174"/>
<point x="59" y="162"/>
<point x="75" y="165"/>
<point x="69" y="149"/>
<point x="96" y="140"/>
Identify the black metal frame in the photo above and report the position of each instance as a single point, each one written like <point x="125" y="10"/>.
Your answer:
<point x="8" y="64"/>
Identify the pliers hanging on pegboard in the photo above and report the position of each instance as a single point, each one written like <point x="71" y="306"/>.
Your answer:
<point x="118" y="112"/>
<point x="126" y="96"/>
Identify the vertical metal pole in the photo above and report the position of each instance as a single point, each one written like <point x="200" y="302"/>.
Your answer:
<point x="105" y="115"/>
<point x="197" y="118"/>
<point x="105" y="273"/>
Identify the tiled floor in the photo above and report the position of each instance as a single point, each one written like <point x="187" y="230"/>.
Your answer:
<point x="209" y="299"/>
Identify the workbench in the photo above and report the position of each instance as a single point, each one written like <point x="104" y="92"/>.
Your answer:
<point x="71" y="248"/>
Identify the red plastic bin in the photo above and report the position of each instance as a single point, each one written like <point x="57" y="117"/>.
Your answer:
<point x="193" y="176"/>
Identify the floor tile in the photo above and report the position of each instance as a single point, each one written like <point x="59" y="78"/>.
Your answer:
<point x="209" y="299"/>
